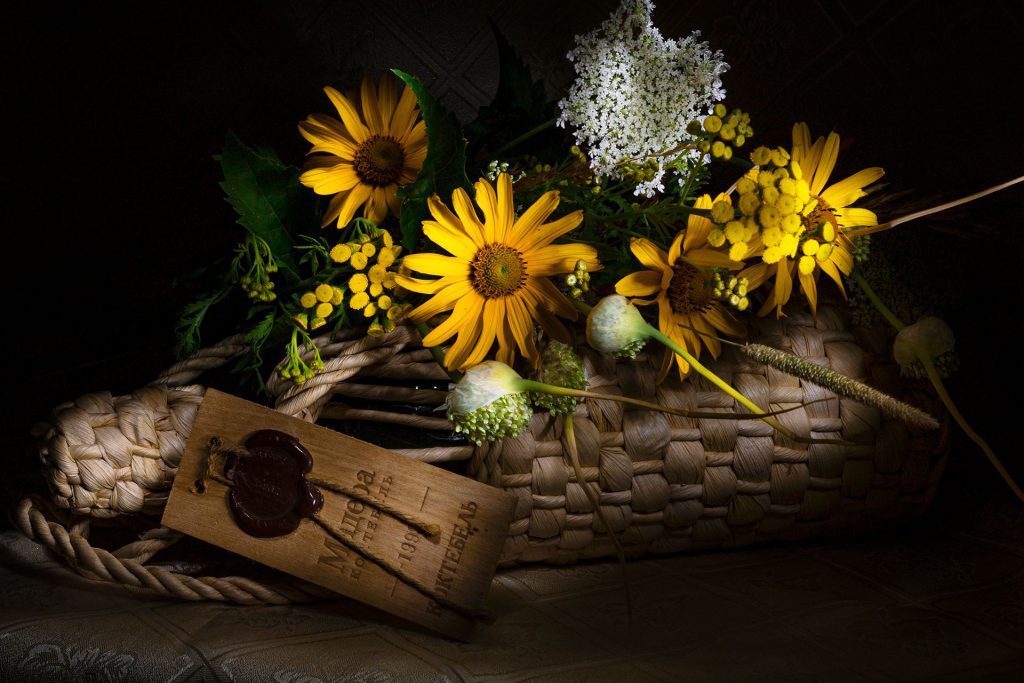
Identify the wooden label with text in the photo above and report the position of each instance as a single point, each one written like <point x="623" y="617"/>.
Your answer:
<point x="458" y="564"/>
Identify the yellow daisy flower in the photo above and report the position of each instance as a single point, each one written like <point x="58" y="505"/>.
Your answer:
<point x="495" y="282"/>
<point x="679" y="283"/>
<point x="361" y="160"/>
<point x="823" y="246"/>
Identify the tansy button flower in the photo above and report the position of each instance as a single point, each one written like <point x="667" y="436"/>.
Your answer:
<point x="681" y="284"/>
<point x="495" y="283"/>
<point x="361" y="160"/>
<point x="822" y="244"/>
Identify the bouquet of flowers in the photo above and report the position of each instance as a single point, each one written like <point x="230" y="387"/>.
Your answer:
<point x="543" y="227"/>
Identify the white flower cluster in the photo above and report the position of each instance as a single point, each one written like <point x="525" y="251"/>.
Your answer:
<point x="635" y="91"/>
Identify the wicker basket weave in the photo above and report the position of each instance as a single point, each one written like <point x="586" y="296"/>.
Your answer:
<point x="666" y="483"/>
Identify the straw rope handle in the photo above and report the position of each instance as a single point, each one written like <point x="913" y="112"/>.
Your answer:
<point x="166" y="399"/>
<point x="187" y="370"/>
<point x="126" y="568"/>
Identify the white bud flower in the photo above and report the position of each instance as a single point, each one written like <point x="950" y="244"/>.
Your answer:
<point x="615" y="327"/>
<point x="488" y="403"/>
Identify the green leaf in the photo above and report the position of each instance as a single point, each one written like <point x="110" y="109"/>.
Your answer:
<point x="257" y="336"/>
<point x="271" y="330"/>
<point x="191" y="320"/>
<point x="444" y="168"/>
<point x="266" y="194"/>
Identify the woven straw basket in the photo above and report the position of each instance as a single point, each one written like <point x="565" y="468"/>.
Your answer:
<point x="666" y="483"/>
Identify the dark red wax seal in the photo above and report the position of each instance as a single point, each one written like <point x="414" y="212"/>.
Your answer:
<point x="269" y="493"/>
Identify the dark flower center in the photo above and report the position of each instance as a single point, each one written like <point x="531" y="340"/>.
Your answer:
<point x="688" y="290"/>
<point x="821" y="214"/>
<point x="379" y="161"/>
<point x="497" y="271"/>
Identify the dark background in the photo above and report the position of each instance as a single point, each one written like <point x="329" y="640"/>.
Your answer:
<point x="113" y="114"/>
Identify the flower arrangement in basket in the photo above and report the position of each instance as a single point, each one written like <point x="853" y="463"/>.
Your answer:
<point x="639" y="304"/>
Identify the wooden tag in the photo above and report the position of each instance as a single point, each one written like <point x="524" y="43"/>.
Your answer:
<point x="458" y="564"/>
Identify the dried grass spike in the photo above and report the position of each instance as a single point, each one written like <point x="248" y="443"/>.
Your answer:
<point x="839" y="383"/>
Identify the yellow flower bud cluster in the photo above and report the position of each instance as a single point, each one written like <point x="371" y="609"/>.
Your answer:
<point x="367" y="250"/>
<point x="771" y="205"/>
<point x="319" y="304"/>
<point x="578" y="281"/>
<point x="730" y="290"/>
<point x="372" y="287"/>
<point x="722" y="131"/>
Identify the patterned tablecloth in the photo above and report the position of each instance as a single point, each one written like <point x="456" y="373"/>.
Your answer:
<point x="931" y="601"/>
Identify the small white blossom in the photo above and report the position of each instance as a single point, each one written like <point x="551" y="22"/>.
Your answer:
<point x="635" y="92"/>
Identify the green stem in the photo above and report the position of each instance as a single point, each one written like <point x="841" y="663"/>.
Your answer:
<point x="541" y="388"/>
<point x="435" y="351"/>
<point x="720" y="383"/>
<point x="882" y="308"/>
<point x="940" y="388"/>
<point x="581" y="306"/>
<point x="525" y="136"/>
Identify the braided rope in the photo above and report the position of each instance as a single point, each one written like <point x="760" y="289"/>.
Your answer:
<point x="126" y="567"/>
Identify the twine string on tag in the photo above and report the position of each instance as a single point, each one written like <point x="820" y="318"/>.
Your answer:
<point x="213" y="467"/>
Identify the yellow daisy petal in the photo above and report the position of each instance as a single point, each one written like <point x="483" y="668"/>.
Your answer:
<point x="556" y="259"/>
<point x="489" y="322"/>
<point x="456" y="244"/>
<point x="353" y="200"/>
<point x="471" y="224"/>
<point x="349" y="115"/>
<point x="467" y="337"/>
<point x="641" y="283"/>
<point x="521" y="324"/>
<point x="756" y="275"/>
<point x="547" y="296"/>
<point x="829" y="154"/>
<point x="487" y="200"/>
<point x="404" y="117"/>
<point x="466" y="310"/>
<point x="698" y="227"/>
<point x="850" y="189"/>
<point x="709" y="258"/>
<point x="676" y="248"/>
<point x="387" y="100"/>
<point x="436" y="264"/>
<point x="506" y="209"/>
<point x="810" y="289"/>
<point x="723" y="321"/>
<point x="649" y="254"/>
<point x="506" y="342"/>
<point x="332" y="180"/>
<point x="368" y="100"/>
<point x="444" y="300"/>
<point x="547" y="233"/>
<point x="855" y="218"/>
<point x="532" y="218"/>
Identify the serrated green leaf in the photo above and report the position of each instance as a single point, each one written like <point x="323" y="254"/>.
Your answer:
<point x="272" y="330"/>
<point x="187" y="331"/>
<point x="266" y="194"/>
<point x="444" y="168"/>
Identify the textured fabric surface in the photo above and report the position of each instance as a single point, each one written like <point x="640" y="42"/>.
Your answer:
<point x="939" y="600"/>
